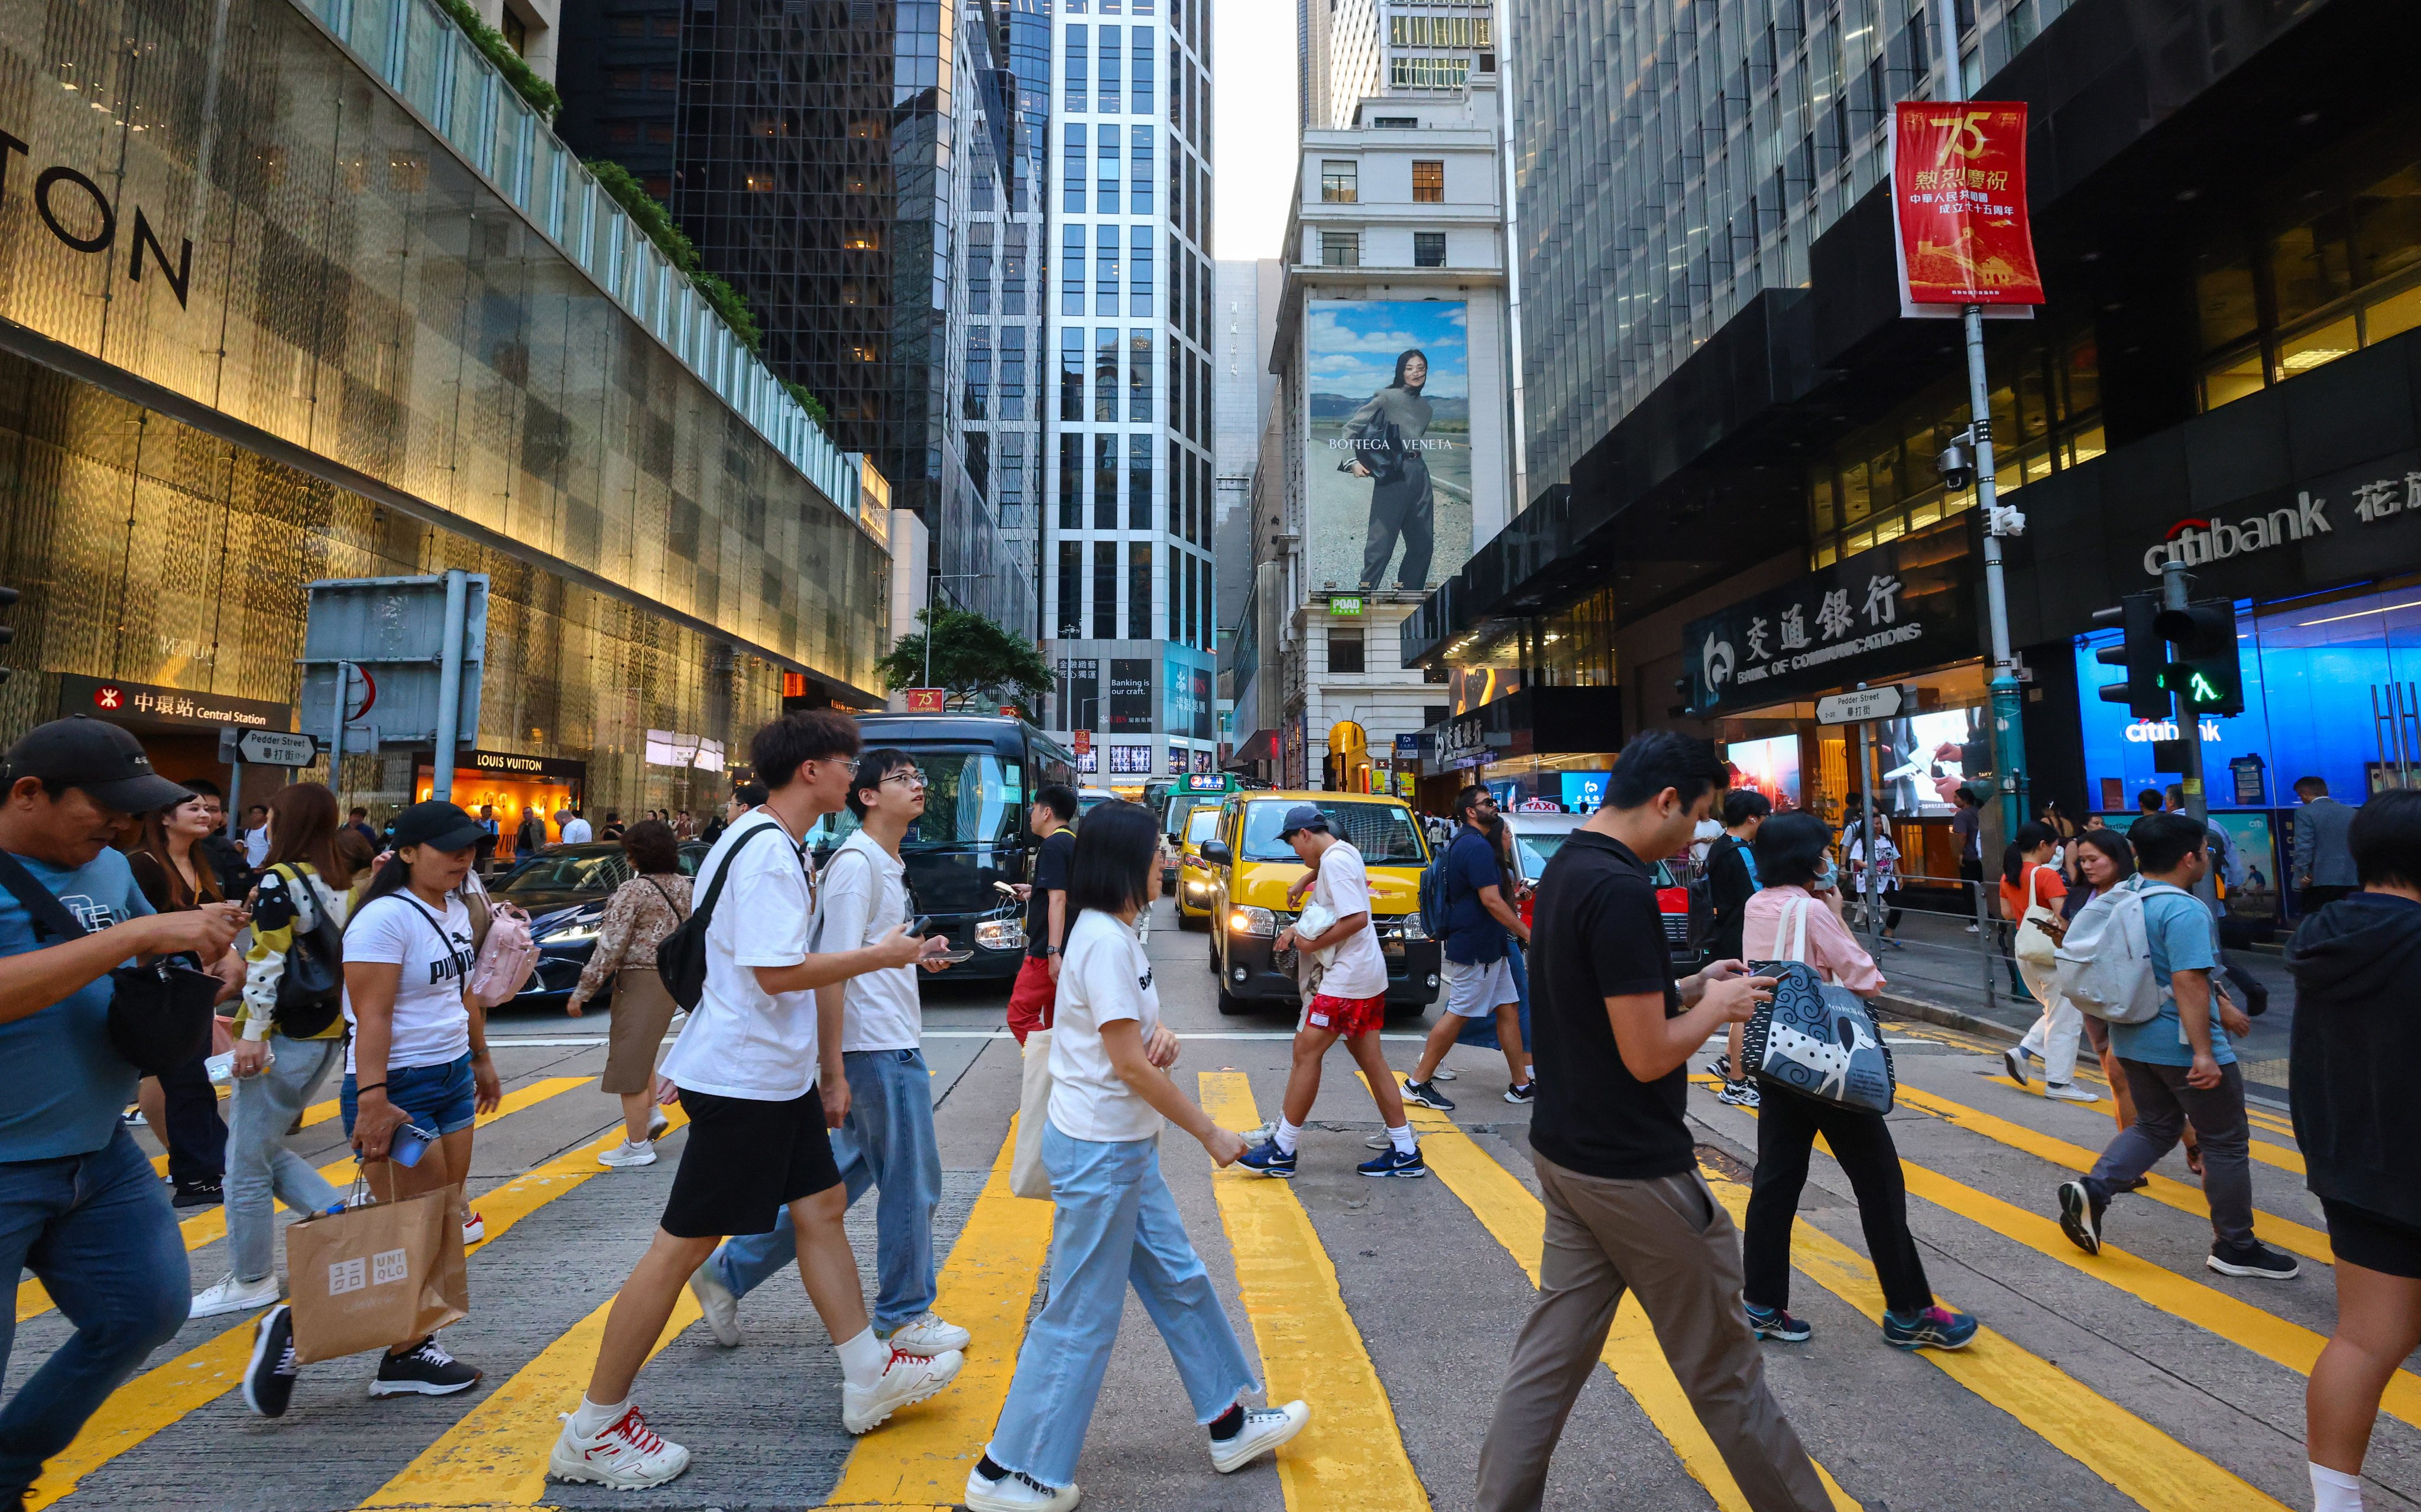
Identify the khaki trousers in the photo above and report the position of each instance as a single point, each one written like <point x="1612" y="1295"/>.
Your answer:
<point x="1670" y="1242"/>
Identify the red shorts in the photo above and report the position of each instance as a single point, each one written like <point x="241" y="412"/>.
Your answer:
<point x="1030" y="1001"/>
<point x="1345" y="1016"/>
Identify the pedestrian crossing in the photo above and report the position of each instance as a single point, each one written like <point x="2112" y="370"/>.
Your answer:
<point x="2283" y="1157"/>
<point x="1356" y="1454"/>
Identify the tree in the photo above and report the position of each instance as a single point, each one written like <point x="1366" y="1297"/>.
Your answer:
<point x="974" y="658"/>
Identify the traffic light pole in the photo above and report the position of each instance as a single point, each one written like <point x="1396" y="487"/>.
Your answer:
<point x="2174" y="591"/>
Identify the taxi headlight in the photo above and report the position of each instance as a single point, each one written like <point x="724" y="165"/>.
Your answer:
<point x="1247" y="920"/>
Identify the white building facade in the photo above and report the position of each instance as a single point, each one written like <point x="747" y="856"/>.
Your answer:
<point x="1384" y="53"/>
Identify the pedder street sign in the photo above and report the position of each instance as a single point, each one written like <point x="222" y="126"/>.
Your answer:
<point x="1857" y="708"/>
<point x="275" y="748"/>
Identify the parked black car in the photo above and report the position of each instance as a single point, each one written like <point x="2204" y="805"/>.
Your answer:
<point x="563" y="889"/>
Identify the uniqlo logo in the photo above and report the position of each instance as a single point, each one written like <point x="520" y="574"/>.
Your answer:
<point x="387" y="1265"/>
<point x="347" y="1275"/>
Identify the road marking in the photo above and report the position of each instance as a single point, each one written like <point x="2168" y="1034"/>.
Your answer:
<point x="920" y="1459"/>
<point x="210" y="1226"/>
<point x="1352" y="1454"/>
<point x="2142" y="1463"/>
<point x="2267" y="1153"/>
<point x="1519" y="1221"/>
<point x="166" y="1392"/>
<point x="2311" y="1243"/>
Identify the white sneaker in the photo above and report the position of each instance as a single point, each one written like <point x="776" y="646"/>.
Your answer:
<point x="657" y="1123"/>
<point x="1264" y="1429"/>
<point x="228" y="1295"/>
<point x="626" y="1154"/>
<point x="2069" y="1092"/>
<point x="1014" y="1492"/>
<point x="907" y="1379"/>
<point x="626" y="1457"/>
<point x="715" y="1299"/>
<point x="928" y="1336"/>
<point x="1442" y="1074"/>
<point x="2014" y="1062"/>
<point x="475" y="1228"/>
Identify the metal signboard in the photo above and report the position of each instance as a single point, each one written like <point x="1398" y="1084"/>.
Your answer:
<point x="393" y="632"/>
<point x="275" y="748"/>
<point x="927" y="700"/>
<point x="1859" y="706"/>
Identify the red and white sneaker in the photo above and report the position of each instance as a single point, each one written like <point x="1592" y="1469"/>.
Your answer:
<point x="906" y="1380"/>
<point x="475" y="1228"/>
<point x="627" y="1456"/>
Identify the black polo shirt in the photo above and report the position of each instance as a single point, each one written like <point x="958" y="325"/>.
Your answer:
<point x="1598" y="935"/>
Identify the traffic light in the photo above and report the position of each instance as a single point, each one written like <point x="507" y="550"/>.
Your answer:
<point x="8" y="600"/>
<point x="2205" y="674"/>
<point x="2142" y="653"/>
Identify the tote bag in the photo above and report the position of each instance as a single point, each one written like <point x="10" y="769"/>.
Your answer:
<point x="2035" y="947"/>
<point x="1027" y="1176"/>
<point x="377" y="1274"/>
<point x="1816" y="1039"/>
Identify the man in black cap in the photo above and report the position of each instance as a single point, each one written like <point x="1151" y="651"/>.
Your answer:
<point x="79" y="1204"/>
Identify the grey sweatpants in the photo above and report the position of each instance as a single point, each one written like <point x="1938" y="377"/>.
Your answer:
<point x="1669" y="1242"/>
<point x="2165" y="1104"/>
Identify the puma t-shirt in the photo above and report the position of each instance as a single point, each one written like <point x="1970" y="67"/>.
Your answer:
<point x="433" y="953"/>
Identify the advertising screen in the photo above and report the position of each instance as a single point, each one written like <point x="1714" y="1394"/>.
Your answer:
<point x="1389" y="465"/>
<point x="1771" y="766"/>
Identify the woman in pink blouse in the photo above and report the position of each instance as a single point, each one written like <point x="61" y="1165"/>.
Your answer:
<point x="1797" y="916"/>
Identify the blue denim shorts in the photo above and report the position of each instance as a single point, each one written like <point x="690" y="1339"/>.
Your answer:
<point x="438" y="1098"/>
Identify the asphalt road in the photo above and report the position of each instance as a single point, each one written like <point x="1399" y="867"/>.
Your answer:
<point x="2141" y="1379"/>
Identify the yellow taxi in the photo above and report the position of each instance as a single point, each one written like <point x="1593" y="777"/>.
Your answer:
<point x="1249" y="869"/>
<point x="1197" y="878"/>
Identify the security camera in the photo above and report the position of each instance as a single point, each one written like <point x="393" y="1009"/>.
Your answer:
<point x="1957" y="466"/>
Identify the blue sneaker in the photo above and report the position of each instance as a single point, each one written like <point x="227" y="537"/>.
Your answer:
<point x="1266" y="1160"/>
<point x="1936" y="1328"/>
<point x="1775" y="1323"/>
<point x="1395" y="1162"/>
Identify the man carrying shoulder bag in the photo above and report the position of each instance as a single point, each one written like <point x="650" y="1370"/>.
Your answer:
<point x="79" y="1203"/>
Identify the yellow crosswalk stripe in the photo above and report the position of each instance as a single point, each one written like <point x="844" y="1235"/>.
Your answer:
<point x="166" y="1392"/>
<point x="2267" y="1153"/>
<point x="2135" y="1458"/>
<point x="1518" y="1221"/>
<point x="2303" y="1240"/>
<point x="210" y="1226"/>
<point x="1352" y="1454"/>
<point x="921" y="1457"/>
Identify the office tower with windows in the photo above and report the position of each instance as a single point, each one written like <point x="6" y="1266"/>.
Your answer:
<point x="1354" y="51"/>
<point x="1129" y="593"/>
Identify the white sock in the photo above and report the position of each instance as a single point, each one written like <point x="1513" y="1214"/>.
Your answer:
<point x="590" y="1420"/>
<point x="1286" y="1135"/>
<point x="2333" y="1490"/>
<point x="862" y="1359"/>
<point x="1404" y="1138"/>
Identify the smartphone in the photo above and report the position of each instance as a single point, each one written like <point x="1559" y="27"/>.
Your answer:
<point x="1004" y="887"/>
<point x="921" y="926"/>
<point x="410" y="1143"/>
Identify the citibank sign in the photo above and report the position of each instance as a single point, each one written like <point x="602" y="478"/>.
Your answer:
<point x="2195" y="542"/>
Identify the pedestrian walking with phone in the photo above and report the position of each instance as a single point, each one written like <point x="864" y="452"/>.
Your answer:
<point x="642" y="912"/>
<point x="175" y="873"/>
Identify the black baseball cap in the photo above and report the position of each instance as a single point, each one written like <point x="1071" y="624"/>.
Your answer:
<point x="104" y="760"/>
<point x="436" y="823"/>
<point x="1303" y="817"/>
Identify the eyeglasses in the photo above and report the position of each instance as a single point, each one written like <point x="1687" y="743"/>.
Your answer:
<point x="909" y="777"/>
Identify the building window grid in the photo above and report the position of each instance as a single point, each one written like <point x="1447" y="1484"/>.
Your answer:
<point x="1079" y="49"/>
<point x="1138" y="482"/>
<point x="1428" y="249"/>
<point x="1340" y="249"/>
<point x="1071" y="372"/>
<point x="1105" y="482"/>
<point x="1340" y="181"/>
<point x="1105" y="590"/>
<point x="1429" y="181"/>
<point x="1071" y="489"/>
<point x="1139" y="554"/>
<point x="1105" y="373"/>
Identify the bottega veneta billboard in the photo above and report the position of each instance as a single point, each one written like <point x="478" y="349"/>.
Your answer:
<point x="1389" y="472"/>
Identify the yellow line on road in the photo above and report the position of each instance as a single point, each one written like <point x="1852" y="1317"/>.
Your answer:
<point x="1507" y="1210"/>
<point x="921" y="1458"/>
<point x="166" y="1392"/>
<point x="2267" y="1153"/>
<point x="210" y="1226"/>
<point x="2142" y="1463"/>
<point x="1353" y="1452"/>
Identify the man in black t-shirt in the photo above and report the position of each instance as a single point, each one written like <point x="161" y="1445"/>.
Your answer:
<point x="1046" y="910"/>
<point x="1626" y="1207"/>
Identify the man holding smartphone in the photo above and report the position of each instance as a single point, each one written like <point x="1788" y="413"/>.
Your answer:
<point x="886" y="1140"/>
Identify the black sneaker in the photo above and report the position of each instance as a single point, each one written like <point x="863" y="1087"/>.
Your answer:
<point x="1526" y="1092"/>
<point x="1427" y="1095"/>
<point x="269" y="1379"/>
<point x="197" y="1194"/>
<point x="2256" y="1260"/>
<point x="423" y="1370"/>
<point x="2080" y="1217"/>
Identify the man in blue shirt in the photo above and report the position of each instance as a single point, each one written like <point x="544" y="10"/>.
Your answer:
<point x="79" y="1204"/>
<point x="1480" y="924"/>
<point x="2180" y="1065"/>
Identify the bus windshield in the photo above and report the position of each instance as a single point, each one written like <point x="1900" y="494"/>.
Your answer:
<point x="1383" y="832"/>
<point x="971" y="798"/>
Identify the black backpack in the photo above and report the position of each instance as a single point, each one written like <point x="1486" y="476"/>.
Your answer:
<point x="311" y="992"/>
<point x="680" y="957"/>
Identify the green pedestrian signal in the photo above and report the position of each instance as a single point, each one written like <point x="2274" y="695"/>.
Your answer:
<point x="2205" y="671"/>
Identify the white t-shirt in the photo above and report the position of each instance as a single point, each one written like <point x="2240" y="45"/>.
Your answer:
<point x="431" y="1025"/>
<point x="864" y="895"/>
<point x="742" y="1041"/>
<point x="1357" y="970"/>
<point x="255" y="846"/>
<point x="575" y="832"/>
<point x="1104" y="977"/>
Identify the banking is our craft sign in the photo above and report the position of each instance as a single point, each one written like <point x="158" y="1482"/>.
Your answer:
<point x="1959" y="205"/>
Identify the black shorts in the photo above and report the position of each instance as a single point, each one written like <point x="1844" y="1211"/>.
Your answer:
<point x="745" y="1161"/>
<point x="2360" y="1237"/>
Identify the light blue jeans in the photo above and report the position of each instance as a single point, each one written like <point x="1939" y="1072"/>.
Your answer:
<point x="1114" y="1224"/>
<point x="886" y="1142"/>
<point x="259" y="1110"/>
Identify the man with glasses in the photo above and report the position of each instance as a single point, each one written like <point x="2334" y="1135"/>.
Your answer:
<point x="1479" y="925"/>
<point x="885" y="1138"/>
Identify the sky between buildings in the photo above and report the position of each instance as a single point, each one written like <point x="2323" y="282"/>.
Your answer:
<point x="1254" y="155"/>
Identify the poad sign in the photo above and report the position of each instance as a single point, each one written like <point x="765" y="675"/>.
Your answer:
<point x="1959" y="205"/>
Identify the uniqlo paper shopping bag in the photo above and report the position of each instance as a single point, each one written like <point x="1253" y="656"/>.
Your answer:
<point x="377" y="1275"/>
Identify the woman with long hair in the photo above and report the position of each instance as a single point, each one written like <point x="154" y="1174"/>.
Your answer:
<point x="418" y="1058"/>
<point x="1113" y="1221"/>
<point x="2029" y="882"/>
<point x="642" y="912"/>
<point x="284" y="1049"/>
<point x="1800" y="905"/>
<point x="1382" y="444"/>
<point x="2104" y="858"/>
<point x="175" y="874"/>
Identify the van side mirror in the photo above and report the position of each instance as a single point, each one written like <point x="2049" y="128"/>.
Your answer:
<point x="1216" y="853"/>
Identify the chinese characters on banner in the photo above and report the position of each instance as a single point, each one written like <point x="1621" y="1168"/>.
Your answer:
<point x="1959" y="205"/>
